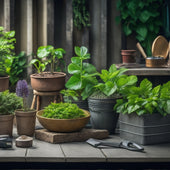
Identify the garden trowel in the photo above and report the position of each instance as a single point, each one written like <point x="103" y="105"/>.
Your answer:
<point x="123" y="144"/>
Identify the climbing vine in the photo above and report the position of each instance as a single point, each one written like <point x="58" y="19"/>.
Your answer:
<point x="81" y="16"/>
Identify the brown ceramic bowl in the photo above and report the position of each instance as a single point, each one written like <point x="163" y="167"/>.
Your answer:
<point x="63" y="125"/>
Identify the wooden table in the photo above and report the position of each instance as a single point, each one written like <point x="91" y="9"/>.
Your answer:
<point x="80" y="155"/>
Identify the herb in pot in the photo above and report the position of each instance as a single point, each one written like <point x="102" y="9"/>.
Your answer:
<point x="63" y="111"/>
<point x="48" y="55"/>
<point x="9" y="102"/>
<point x="83" y="73"/>
<point x="144" y="99"/>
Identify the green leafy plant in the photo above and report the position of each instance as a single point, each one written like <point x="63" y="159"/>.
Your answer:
<point x="63" y="111"/>
<point x="113" y="81"/>
<point x="7" y="46"/>
<point x="141" y="18"/>
<point x="9" y="102"/>
<point x="47" y="55"/>
<point x="145" y="99"/>
<point x="18" y="68"/>
<point x="83" y="74"/>
<point x="81" y="16"/>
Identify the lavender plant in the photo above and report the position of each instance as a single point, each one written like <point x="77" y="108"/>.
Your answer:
<point x="22" y="91"/>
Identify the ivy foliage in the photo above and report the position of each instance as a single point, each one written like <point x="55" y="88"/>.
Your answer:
<point x="145" y="99"/>
<point x="81" y="16"/>
<point x="18" y="68"/>
<point x="9" y="102"/>
<point x="63" y="111"/>
<point x="141" y="18"/>
<point x="7" y="46"/>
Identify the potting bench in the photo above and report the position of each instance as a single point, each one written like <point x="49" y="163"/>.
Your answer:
<point x="80" y="155"/>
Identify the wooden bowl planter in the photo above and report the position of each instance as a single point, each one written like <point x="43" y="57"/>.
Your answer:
<point x="6" y="124"/>
<point x="63" y="125"/>
<point x="25" y="121"/>
<point x="4" y="83"/>
<point x="48" y="81"/>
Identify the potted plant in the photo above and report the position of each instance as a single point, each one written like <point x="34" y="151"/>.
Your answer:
<point x="25" y="117"/>
<point x="63" y="117"/>
<point x="80" y="84"/>
<point x="9" y="102"/>
<point x="145" y="113"/>
<point x="104" y="96"/>
<point x="47" y="81"/>
<point x="143" y="20"/>
<point x="7" y="42"/>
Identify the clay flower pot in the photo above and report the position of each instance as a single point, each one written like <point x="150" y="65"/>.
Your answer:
<point x="25" y="122"/>
<point x="128" y="56"/>
<point x="6" y="124"/>
<point x="4" y="83"/>
<point x="48" y="81"/>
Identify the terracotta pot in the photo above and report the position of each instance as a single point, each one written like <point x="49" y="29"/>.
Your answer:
<point x="48" y="81"/>
<point x="4" y="83"/>
<point x="25" y="122"/>
<point x="63" y="125"/>
<point x="128" y="56"/>
<point x="6" y="124"/>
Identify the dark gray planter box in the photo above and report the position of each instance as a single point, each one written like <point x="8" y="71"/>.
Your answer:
<point x="146" y="129"/>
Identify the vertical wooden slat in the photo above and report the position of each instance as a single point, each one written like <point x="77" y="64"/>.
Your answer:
<point x="69" y="30"/>
<point x="98" y="33"/>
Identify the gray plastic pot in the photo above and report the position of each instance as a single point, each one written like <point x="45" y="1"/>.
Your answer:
<point x="102" y="114"/>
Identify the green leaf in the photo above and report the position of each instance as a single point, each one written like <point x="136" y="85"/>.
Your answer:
<point x="89" y="68"/>
<point x="76" y="60"/>
<point x="43" y="51"/>
<point x="83" y="51"/>
<point x="74" y="83"/>
<point x="74" y="69"/>
<point x="112" y="68"/>
<point x="127" y="30"/>
<point x="144" y="16"/>
<point x="142" y="31"/>
<point x="109" y="88"/>
<point x="77" y="50"/>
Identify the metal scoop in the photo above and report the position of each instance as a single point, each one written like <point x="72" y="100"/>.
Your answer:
<point x="123" y="144"/>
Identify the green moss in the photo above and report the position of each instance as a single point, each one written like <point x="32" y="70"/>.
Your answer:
<point x="63" y="111"/>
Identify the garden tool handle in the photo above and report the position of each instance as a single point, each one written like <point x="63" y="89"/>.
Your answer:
<point x="140" y="48"/>
<point x="131" y="146"/>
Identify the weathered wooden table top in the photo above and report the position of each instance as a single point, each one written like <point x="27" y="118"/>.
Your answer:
<point x="76" y="152"/>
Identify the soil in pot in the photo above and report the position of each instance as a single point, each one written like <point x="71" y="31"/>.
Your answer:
<point x="25" y="122"/>
<point x="48" y="81"/>
<point x="6" y="124"/>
